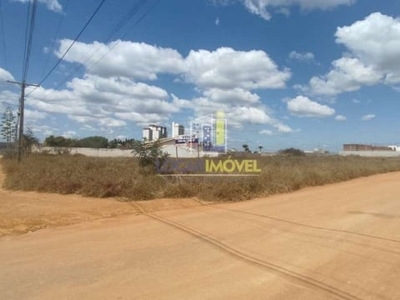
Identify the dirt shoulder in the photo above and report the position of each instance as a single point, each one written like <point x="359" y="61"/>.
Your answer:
<point x="22" y="212"/>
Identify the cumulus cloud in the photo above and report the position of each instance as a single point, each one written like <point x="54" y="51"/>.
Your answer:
<point x="5" y="75"/>
<point x="340" y="118"/>
<point x="368" y="117"/>
<point x="35" y="115"/>
<point x="250" y="115"/>
<point x="304" y="107"/>
<point x="52" y="5"/>
<point x="263" y="8"/>
<point x="232" y="96"/>
<point x="111" y="88"/>
<point x="105" y="101"/>
<point x="373" y="49"/>
<point x="304" y="57"/>
<point x="266" y="132"/>
<point x="127" y="59"/>
<point x="348" y="74"/>
<point x="237" y="113"/>
<point x="375" y="41"/>
<point x="282" y="127"/>
<point x="226" y="68"/>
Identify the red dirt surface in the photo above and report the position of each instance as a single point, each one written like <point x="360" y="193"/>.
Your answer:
<point x="340" y="241"/>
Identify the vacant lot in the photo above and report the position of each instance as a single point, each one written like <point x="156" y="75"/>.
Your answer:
<point x="339" y="241"/>
<point x="122" y="177"/>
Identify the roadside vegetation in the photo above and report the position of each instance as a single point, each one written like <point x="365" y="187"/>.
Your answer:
<point x="124" y="177"/>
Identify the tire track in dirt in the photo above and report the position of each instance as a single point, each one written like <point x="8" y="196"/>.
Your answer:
<point x="351" y="237"/>
<point x="306" y="225"/>
<point x="271" y="267"/>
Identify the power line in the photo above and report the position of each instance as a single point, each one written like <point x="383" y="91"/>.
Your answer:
<point x="133" y="11"/>
<point x="78" y="68"/>
<point x="28" y="13"/>
<point x="70" y="46"/>
<point x="3" y="35"/>
<point x="29" y="30"/>
<point x="123" y="36"/>
<point x="29" y="41"/>
<point x="55" y="38"/>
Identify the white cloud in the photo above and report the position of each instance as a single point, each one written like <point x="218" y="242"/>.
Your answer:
<point x="282" y="127"/>
<point x="52" y="5"/>
<point x="227" y="68"/>
<point x="250" y="115"/>
<point x="375" y="41"/>
<point x="98" y="122"/>
<point x="373" y="49"/>
<point x="238" y="114"/>
<point x="4" y="76"/>
<point x="263" y="8"/>
<point x="224" y="68"/>
<point x="279" y="128"/>
<point x="105" y="101"/>
<point x="368" y="117"/>
<point x="127" y="59"/>
<point x="35" y="115"/>
<point x="224" y="77"/>
<point x="340" y="118"/>
<point x="232" y="96"/>
<point x="303" y="106"/>
<point x="142" y="118"/>
<point x="217" y="21"/>
<point x="348" y="74"/>
<point x="8" y="99"/>
<point x="305" y="57"/>
<point x="43" y="130"/>
<point x="266" y="132"/>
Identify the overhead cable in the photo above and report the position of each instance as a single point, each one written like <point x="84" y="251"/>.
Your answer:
<point x="74" y="41"/>
<point x="3" y="35"/>
<point x="111" y="48"/>
<point x="55" y="38"/>
<point x="28" y="47"/>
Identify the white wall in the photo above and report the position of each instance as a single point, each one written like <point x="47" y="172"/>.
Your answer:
<point x="371" y="153"/>
<point x="183" y="151"/>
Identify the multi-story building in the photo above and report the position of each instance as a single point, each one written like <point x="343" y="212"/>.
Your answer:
<point x="154" y="132"/>
<point x="177" y="129"/>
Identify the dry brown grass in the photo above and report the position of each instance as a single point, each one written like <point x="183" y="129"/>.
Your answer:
<point x="120" y="177"/>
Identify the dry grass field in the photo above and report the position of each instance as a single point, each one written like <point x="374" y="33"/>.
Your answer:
<point x="121" y="177"/>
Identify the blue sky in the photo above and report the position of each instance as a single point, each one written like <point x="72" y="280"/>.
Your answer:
<point x="287" y="73"/>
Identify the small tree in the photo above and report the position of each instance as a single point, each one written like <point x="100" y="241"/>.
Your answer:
<point x="29" y="140"/>
<point x="246" y="148"/>
<point x="151" y="157"/>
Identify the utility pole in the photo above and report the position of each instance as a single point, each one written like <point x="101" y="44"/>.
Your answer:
<point x="23" y="85"/>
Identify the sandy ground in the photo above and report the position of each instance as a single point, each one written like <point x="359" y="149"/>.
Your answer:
<point x="340" y="241"/>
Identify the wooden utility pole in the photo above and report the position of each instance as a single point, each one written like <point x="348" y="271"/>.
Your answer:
<point x="23" y="86"/>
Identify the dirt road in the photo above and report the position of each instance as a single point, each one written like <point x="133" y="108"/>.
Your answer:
<point x="340" y="241"/>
